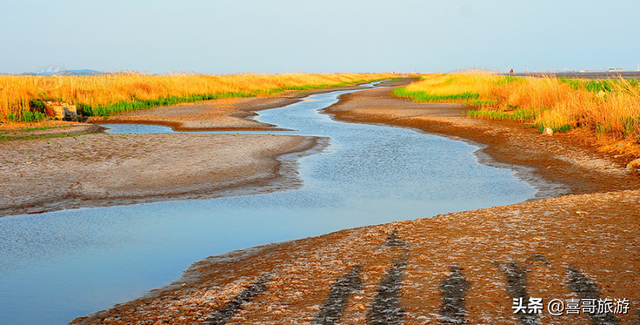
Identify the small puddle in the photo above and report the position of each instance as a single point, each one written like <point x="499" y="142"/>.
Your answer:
<point x="60" y="265"/>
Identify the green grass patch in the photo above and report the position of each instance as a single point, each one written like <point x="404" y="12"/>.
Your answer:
<point x="596" y="86"/>
<point x="482" y="102"/>
<point x="138" y="104"/>
<point x="520" y="115"/>
<point x="422" y="96"/>
<point x="36" y="105"/>
<point x="507" y="80"/>
<point x="41" y="128"/>
<point x="26" y="116"/>
<point x="631" y="125"/>
<point x="563" y="128"/>
<point x="35" y="128"/>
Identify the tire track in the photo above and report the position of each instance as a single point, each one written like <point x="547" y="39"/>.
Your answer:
<point x="224" y="314"/>
<point x="585" y="288"/>
<point x="386" y="309"/>
<point x="453" y="291"/>
<point x="517" y="288"/>
<point x="339" y="295"/>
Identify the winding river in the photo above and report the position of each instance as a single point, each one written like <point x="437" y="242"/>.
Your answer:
<point x="60" y="265"/>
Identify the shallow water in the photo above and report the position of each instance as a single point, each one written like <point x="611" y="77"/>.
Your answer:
<point x="61" y="265"/>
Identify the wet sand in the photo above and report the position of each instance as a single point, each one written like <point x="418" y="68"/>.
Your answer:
<point x="457" y="268"/>
<point x="104" y="169"/>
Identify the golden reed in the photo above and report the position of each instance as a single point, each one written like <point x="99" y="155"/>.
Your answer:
<point x="16" y="92"/>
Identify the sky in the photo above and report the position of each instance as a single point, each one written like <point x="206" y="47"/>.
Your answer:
<point x="278" y="36"/>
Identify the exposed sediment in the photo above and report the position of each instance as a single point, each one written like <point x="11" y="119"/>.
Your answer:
<point x="108" y="169"/>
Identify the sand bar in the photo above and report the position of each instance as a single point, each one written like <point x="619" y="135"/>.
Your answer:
<point x="103" y="169"/>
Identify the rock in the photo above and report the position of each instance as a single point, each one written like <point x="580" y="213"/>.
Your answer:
<point x="634" y="164"/>
<point x="54" y="109"/>
<point x="547" y="131"/>
<point x="61" y="111"/>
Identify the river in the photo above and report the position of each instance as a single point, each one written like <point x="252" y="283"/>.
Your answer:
<point x="60" y="265"/>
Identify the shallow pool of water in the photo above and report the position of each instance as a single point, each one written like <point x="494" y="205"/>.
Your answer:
<point x="60" y="265"/>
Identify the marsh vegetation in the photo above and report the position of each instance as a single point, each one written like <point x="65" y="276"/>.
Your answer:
<point x="605" y="110"/>
<point x="22" y="97"/>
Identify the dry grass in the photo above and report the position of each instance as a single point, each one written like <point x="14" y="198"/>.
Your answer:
<point x="606" y="110"/>
<point x="17" y="93"/>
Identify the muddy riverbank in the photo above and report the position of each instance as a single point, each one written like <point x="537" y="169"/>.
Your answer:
<point x="542" y="249"/>
<point x="104" y="169"/>
<point x="564" y="158"/>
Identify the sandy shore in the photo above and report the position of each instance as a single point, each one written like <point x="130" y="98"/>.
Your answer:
<point x="103" y="169"/>
<point x="456" y="268"/>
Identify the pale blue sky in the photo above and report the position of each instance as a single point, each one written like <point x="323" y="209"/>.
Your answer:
<point x="230" y="36"/>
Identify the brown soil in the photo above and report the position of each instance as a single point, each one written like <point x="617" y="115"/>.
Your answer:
<point x="457" y="268"/>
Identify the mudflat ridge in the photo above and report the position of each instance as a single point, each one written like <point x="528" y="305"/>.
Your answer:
<point x="107" y="169"/>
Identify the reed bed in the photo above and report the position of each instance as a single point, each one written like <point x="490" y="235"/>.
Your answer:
<point x="22" y="97"/>
<point x="603" y="108"/>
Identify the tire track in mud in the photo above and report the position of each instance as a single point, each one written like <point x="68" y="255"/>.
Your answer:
<point x="453" y="290"/>
<point x="334" y="304"/>
<point x="386" y="308"/>
<point x="586" y="289"/>
<point x="378" y="290"/>
<point x="224" y="314"/>
<point x="516" y="277"/>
